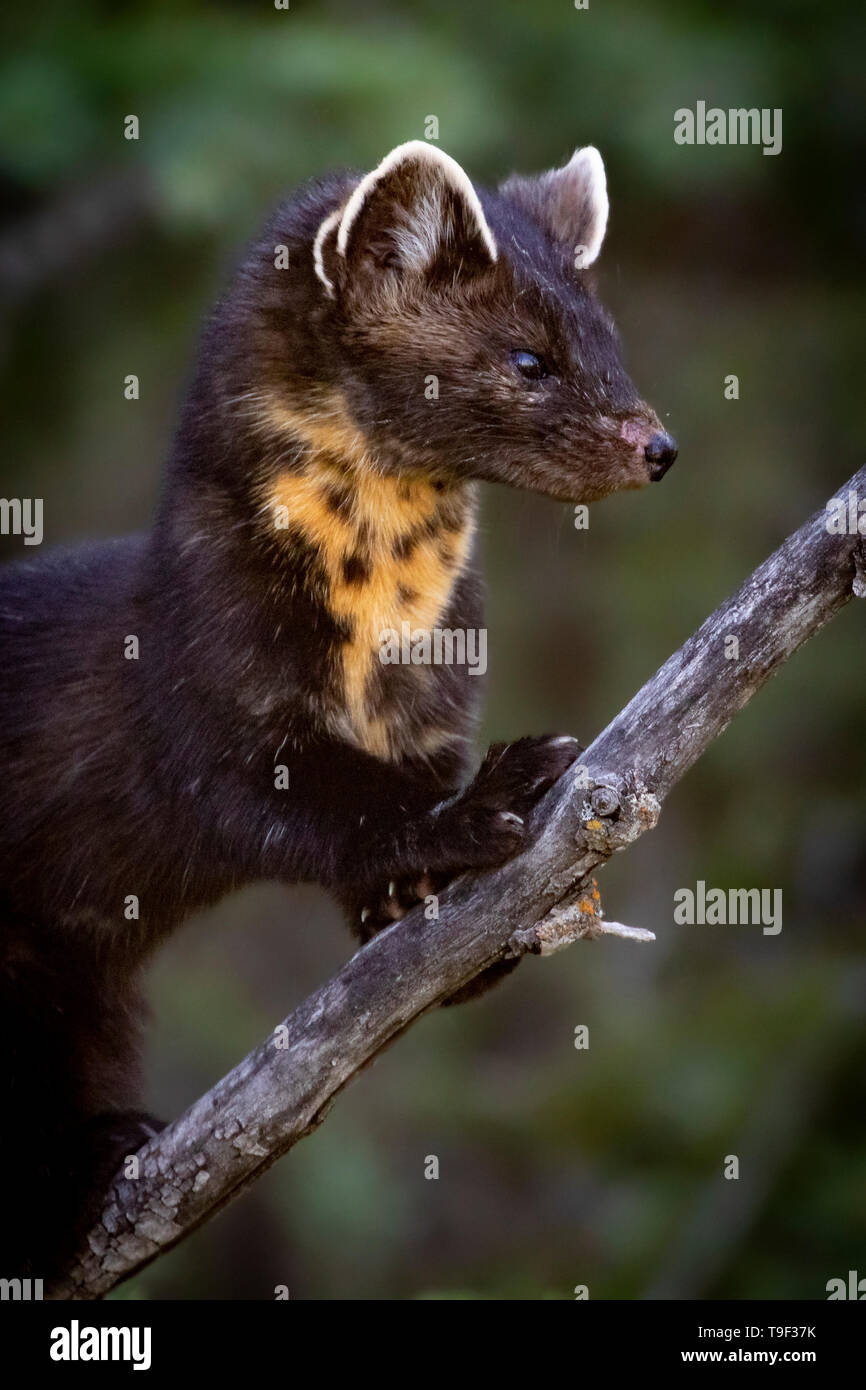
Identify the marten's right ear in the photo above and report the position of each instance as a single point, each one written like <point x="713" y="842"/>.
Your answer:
<point x="416" y="215"/>
<point x="570" y="202"/>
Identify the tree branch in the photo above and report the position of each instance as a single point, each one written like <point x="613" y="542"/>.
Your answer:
<point x="537" y="903"/>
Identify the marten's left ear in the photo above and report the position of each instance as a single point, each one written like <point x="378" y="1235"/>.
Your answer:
<point x="570" y="202"/>
<point x="416" y="214"/>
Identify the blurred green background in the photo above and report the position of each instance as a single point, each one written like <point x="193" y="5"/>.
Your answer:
<point x="557" y="1167"/>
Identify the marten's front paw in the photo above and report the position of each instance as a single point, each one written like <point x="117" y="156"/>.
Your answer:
<point x="398" y="898"/>
<point x="514" y="776"/>
<point x="488" y="822"/>
<point x="483" y="828"/>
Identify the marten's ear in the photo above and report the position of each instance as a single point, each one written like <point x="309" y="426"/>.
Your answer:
<point x="416" y="214"/>
<point x="570" y="202"/>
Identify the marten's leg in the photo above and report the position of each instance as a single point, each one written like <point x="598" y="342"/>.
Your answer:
<point x="479" y="828"/>
<point x="69" y="1029"/>
<point x="483" y="827"/>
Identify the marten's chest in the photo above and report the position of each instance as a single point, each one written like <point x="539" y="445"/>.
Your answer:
<point x="384" y="556"/>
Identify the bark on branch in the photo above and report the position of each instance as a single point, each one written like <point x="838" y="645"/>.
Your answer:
<point x="537" y="903"/>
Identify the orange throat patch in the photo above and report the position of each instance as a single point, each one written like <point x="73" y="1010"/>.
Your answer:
<point x="389" y="549"/>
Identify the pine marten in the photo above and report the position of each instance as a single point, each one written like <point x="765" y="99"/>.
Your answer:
<point x="202" y="706"/>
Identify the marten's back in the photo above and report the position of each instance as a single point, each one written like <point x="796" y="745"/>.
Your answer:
<point x="68" y="703"/>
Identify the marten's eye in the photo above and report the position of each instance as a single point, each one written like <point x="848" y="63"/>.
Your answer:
<point x="530" y="365"/>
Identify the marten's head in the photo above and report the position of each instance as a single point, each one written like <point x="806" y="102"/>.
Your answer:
<point x="464" y="338"/>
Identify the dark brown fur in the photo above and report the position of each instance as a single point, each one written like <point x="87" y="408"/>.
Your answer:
<point x="315" y="494"/>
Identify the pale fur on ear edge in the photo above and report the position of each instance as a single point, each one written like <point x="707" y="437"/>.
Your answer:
<point x="589" y="161"/>
<point x="417" y="149"/>
<point x="318" y="245"/>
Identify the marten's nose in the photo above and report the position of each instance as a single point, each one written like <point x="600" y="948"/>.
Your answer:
<point x="660" y="454"/>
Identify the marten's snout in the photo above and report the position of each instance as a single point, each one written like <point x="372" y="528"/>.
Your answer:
<point x="660" y="454"/>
